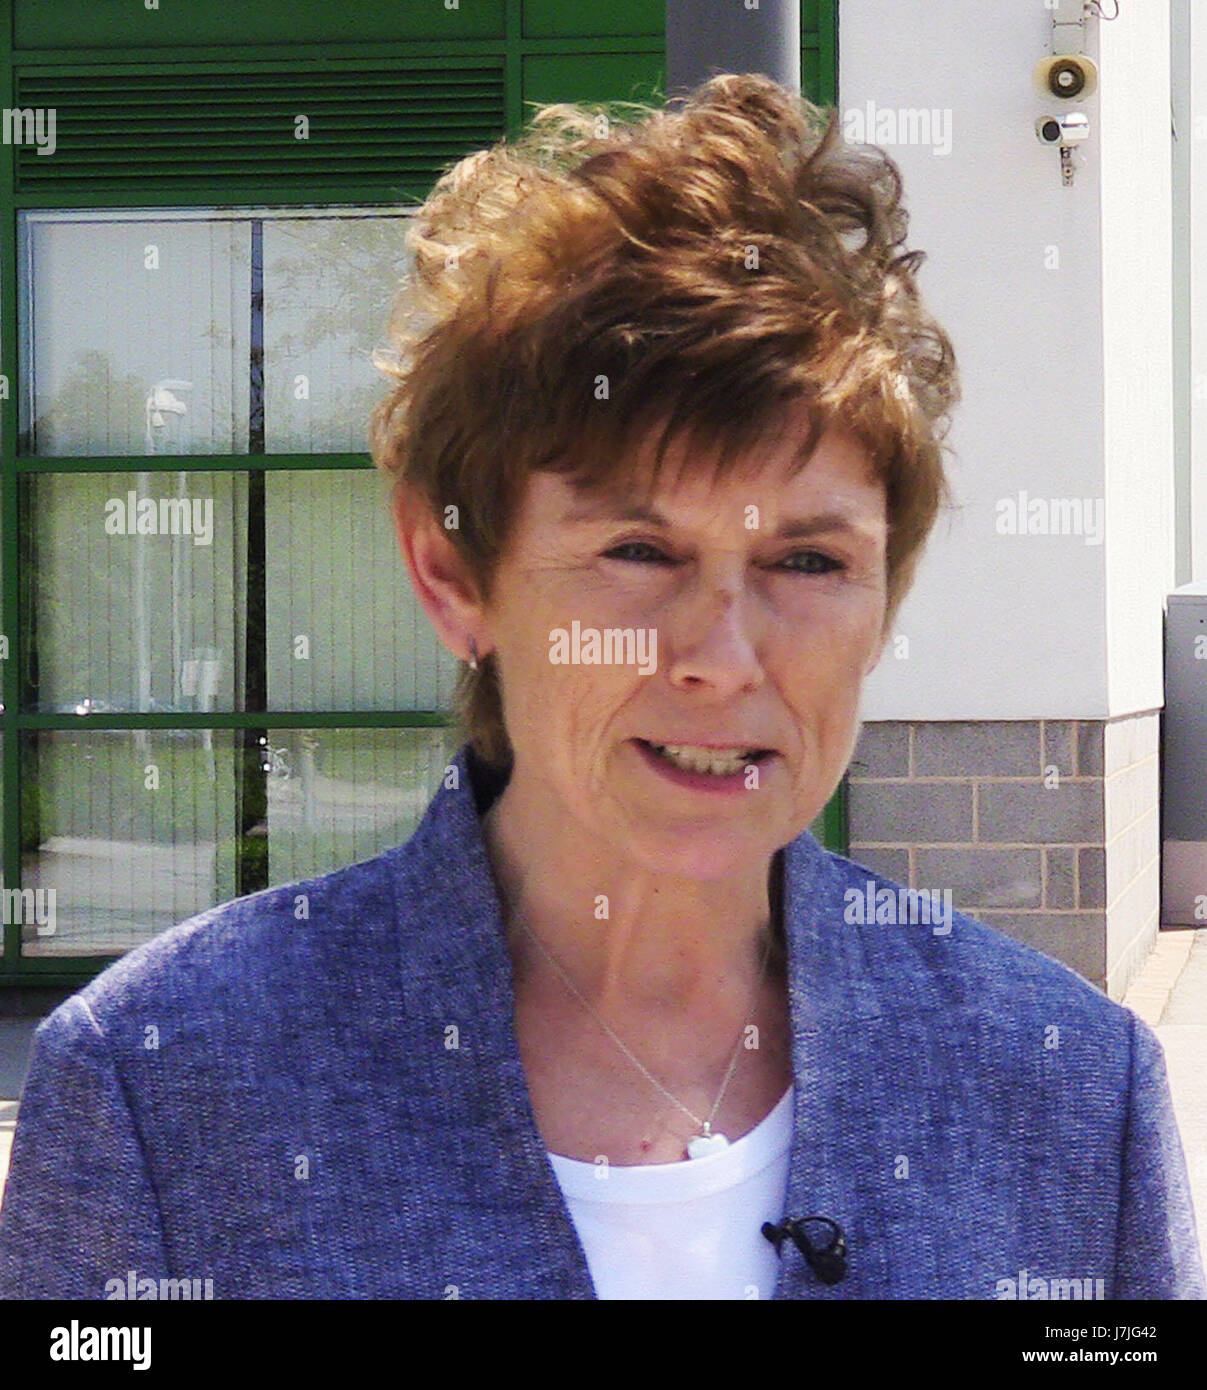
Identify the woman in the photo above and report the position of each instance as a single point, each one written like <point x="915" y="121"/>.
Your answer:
<point x="665" y="442"/>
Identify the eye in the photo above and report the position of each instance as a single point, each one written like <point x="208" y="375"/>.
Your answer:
<point x="829" y="564"/>
<point x="652" y="553"/>
<point x="643" y="552"/>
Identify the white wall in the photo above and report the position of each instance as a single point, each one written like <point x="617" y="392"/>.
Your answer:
<point x="1035" y="626"/>
<point x="1192" y="105"/>
<point x="1137" y="270"/>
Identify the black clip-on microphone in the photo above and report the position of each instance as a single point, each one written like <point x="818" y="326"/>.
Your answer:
<point x="829" y="1262"/>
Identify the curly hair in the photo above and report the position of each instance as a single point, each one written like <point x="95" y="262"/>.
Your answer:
<point x="694" y="270"/>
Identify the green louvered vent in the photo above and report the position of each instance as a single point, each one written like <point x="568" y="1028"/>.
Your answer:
<point x="367" y="126"/>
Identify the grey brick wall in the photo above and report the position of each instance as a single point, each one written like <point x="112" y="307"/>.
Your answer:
<point x="1044" y="829"/>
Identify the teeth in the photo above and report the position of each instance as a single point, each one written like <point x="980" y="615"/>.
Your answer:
<point x="695" y="759"/>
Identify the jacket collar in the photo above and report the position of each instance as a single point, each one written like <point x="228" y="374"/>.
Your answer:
<point x="455" y="969"/>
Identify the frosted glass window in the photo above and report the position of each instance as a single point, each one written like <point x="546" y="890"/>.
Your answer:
<point x="344" y="629"/>
<point x="134" y="830"/>
<point x="136" y="334"/>
<point x="163" y="589"/>
<point x="149" y="620"/>
<point x="329" y="283"/>
<point x="337" y="796"/>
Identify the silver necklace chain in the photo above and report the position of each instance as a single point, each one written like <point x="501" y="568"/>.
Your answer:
<point x="705" y="1126"/>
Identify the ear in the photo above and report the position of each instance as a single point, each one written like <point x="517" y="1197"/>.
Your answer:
<point x="877" y="652"/>
<point x="439" y="574"/>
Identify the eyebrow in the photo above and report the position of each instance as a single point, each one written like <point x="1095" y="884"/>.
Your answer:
<point x="789" y="529"/>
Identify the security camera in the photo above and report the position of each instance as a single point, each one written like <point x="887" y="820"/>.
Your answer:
<point x="1066" y="75"/>
<point x="1070" y="128"/>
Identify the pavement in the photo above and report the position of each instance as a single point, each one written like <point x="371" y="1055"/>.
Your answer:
<point x="15" y="1034"/>
<point x="1178" y="1015"/>
<point x="1169" y="994"/>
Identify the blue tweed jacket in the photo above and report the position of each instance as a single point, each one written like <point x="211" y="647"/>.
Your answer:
<point x="316" y="1092"/>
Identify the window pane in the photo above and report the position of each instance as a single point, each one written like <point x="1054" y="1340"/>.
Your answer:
<point x="337" y="796"/>
<point x="329" y="283"/>
<point x="134" y="831"/>
<point x="344" y="628"/>
<point x="138" y="586"/>
<point x="135" y="334"/>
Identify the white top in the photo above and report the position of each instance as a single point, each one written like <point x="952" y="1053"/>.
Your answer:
<point x="690" y="1229"/>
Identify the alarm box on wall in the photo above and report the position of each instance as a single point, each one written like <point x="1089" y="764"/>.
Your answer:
<point x="1184" y="760"/>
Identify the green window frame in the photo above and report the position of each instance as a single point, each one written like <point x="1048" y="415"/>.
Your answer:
<point x="110" y="68"/>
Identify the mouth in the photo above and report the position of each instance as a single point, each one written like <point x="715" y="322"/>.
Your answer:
<point x="700" y="767"/>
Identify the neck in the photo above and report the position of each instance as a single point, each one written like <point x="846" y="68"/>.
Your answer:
<point x="684" y="946"/>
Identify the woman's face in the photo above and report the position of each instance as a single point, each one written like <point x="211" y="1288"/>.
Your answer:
<point x="739" y="633"/>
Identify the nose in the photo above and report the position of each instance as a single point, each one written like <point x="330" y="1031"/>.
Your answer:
<point x="712" y="639"/>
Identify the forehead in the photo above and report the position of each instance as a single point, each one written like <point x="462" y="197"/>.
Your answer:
<point x="839" y="475"/>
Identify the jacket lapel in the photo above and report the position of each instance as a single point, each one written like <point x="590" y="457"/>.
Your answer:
<point x="835" y="1013"/>
<point x="510" y="1232"/>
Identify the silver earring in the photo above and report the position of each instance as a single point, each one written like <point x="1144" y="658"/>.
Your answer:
<point x="473" y="655"/>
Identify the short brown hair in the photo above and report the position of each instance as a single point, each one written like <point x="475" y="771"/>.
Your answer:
<point x="712" y="264"/>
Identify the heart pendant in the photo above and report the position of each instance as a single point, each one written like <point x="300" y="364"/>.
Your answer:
<point x="704" y="1144"/>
